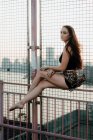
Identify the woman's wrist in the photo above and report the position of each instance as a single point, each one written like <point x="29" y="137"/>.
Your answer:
<point x="44" y="68"/>
<point x="50" y="73"/>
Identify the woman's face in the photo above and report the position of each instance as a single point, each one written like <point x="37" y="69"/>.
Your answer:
<point x="64" y="34"/>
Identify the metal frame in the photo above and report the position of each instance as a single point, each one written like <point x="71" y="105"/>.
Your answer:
<point x="34" y="51"/>
<point x="1" y="109"/>
<point x="34" y="130"/>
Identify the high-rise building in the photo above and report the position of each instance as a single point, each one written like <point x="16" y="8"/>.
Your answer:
<point x="50" y="56"/>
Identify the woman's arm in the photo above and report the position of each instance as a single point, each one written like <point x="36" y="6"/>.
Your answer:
<point x="64" y="62"/>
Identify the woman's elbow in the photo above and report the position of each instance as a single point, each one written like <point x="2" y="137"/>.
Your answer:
<point x="62" y="68"/>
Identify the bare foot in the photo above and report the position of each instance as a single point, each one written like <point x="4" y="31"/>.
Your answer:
<point x="16" y="106"/>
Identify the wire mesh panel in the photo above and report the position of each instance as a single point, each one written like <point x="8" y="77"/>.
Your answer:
<point x="17" y="118"/>
<point x="13" y="60"/>
<point x="13" y="42"/>
<point x="78" y="14"/>
<point x="74" y="115"/>
<point x="67" y="117"/>
<point x="54" y="14"/>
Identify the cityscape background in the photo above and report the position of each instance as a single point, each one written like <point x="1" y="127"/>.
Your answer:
<point x="21" y="67"/>
<point x="54" y="14"/>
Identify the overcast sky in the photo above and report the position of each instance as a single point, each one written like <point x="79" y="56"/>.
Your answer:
<point x="54" y="14"/>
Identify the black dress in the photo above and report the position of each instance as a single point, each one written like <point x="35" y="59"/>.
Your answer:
<point x="71" y="66"/>
<point x="72" y="62"/>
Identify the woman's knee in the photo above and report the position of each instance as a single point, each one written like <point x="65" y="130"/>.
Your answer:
<point x="38" y="73"/>
<point x="41" y="74"/>
<point x="42" y="84"/>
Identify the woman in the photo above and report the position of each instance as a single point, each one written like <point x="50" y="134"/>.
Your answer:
<point x="57" y="76"/>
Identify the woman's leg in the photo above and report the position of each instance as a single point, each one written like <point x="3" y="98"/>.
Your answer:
<point x="35" y="82"/>
<point x="35" y="92"/>
<point x="56" y="81"/>
<point x="39" y="76"/>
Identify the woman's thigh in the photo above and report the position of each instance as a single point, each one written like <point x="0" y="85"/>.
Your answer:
<point x="57" y="79"/>
<point x="46" y="84"/>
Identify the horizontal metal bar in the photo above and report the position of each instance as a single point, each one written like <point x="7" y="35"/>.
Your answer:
<point x="8" y="92"/>
<point x="57" y="88"/>
<point x="51" y="97"/>
<point x="16" y="84"/>
<point x="33" y="47"/>
<point x="41" y="132"/>
<point x="86" y="90"/>
<point x="17" y="136"/>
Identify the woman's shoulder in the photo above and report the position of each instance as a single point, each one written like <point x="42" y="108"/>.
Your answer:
<point x="69" y="49"/>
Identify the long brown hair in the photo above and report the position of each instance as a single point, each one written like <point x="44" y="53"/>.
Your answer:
<point x="75" y="46"/>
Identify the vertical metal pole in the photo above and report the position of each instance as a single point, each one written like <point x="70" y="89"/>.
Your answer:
<point x="62" y="117"/>
<point x="55" y="118"/>
<point x="28" y="66"/>
<point x="1" y="109"/>
<point x="34" y="60"/>
<point x="28" y="73"/>
<point x="40" y="58"/>
<point x="40" y="35"/>
<point x="70" y="118"/>
<point x="87" y="123"/>
<point x="78" y="119"/>
<point x="28" y="45"/>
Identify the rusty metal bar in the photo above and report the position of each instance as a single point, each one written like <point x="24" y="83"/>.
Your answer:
<point x="27" y="122"/>
<point x="34" y="63"/>
<point x="42" y="132"/>
<point x="50" y="97"/>
<point x="40" y="117"/>
<point x="70" y="119"/>
<point x="78" y="119"/>
<point x="34" y="119"/>
<point x="28" y="54"/>
<point x="7" y="115"/>
<point x="86" y="90"/>
<point x="55" y="118"/>
<point x="8" y="92"/>
<point x="20" y="119"/>
<point x="87" y="125"/>
<point x="16" y="137"/>
<point x="62" y="117"/>
<point x="14" y="116"/>
<point x="47" y="116"/>
<point x="1" y="109"/>
<point x="11" y="83"/>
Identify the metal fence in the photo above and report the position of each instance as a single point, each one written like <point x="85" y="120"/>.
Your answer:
<point x="53" y="15"/>
<point x="28" y="25"/>
<point x="69" y="119"/>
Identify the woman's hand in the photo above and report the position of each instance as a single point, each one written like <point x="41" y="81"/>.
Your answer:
<point x="50" y="73"/>
<point x="44" y="68"/>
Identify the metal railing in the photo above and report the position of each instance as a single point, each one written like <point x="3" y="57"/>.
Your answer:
<point x="73" y="122"/>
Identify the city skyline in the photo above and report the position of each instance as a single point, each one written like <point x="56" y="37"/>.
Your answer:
<point x="13" y="27"/>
